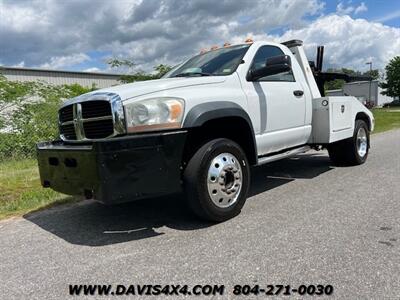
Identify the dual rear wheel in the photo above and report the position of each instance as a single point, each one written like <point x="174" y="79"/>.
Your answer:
<point x="352" y="151"/>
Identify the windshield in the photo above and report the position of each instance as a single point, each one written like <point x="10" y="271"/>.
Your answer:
<point x="220" y="62"/>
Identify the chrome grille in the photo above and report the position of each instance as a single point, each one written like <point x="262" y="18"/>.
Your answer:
<point x="68" y="131"/>
<point x="66" y="114"/>
<point x="94" y="109"/>
<point x="98" y="129"/>
<point x="86" y="120"/>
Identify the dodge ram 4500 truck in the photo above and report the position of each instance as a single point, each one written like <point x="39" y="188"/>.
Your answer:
<point x="201" y="127"/>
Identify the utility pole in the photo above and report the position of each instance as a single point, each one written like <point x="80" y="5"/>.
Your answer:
<point x="370" y="80"/>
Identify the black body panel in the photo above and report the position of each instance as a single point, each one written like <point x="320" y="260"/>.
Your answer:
<point x="115" y="170"/>
<point x="202" y="113"/>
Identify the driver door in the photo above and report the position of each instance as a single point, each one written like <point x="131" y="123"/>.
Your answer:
<point x="281" y="105"/>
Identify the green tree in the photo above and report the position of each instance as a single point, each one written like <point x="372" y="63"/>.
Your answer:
<point x="338" y="83"/>
<point x="75" y="89"/>
<point x="137" y="75"/>
<point x="392" y="83"/>
<point x="117" y="62"/>
<point x="162" y="70"/>
<point x="374" y="74"/>
<point x="350" y="72"/>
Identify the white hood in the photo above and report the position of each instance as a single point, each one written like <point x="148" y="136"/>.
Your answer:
<point x="130" y="90"/>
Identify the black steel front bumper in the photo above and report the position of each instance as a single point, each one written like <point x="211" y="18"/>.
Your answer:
<point x="116" y="170"/>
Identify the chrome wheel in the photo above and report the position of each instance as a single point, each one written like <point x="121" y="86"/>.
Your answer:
<point x="362" y="142"/>
<point x="224" y="180"/>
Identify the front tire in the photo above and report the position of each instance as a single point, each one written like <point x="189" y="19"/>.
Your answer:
<point x="352" y="151"/>
<point x="216" y="180"/>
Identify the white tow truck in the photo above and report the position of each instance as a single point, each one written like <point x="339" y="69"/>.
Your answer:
<point x="201" y="127"/>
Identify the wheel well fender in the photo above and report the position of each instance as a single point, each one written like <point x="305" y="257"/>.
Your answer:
<point x="363" y="116"/>
<point x="204" y="112"/>
<point x="221" y="119"/>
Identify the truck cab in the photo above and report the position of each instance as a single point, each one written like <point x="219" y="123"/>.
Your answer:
<point x="279" y="103"/>
<point x="200" y="128"/>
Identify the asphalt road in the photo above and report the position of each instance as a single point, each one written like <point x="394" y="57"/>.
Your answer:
<point x="305" y="223"/>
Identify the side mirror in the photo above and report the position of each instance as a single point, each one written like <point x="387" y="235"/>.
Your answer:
<point x="274" y="65"/>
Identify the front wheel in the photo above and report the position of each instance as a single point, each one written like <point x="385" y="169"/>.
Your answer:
<point x="352" y="151"/>
<point x="216" y="180"/>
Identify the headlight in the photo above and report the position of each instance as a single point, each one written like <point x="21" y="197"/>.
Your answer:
<point x="154" y="114"/>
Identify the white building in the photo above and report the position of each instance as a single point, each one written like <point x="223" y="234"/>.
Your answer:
<point x="57" y="77"/>
<point x="362" y="91"/>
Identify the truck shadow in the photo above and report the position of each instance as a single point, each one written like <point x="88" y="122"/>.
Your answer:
<point x="304" y="166"/>
<point x="90" y="223"/>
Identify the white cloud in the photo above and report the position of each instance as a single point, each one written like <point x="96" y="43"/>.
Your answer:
<point x="349" y="42"/>
<point x="176" y="31"/>
<point x="41" y="32"/>
<point x="57" y="34"/>
<point x="92" y="70"/>
<point x="341" y="9"/>
<point x="21" y="64"/>
<point x="361" y="8"/>
<point x="21" y="18"/>
<point x="65" y="61"/>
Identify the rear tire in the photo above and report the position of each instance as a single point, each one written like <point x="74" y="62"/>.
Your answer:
<point x="216" y="180"/>
<point x="352" y="151"/>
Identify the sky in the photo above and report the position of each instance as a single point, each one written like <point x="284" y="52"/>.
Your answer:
<point x="83" y="34"/>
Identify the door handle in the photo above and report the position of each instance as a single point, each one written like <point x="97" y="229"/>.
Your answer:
<point x="298" y="93"/>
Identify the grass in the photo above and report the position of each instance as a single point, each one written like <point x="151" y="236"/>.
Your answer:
<point x="21" y="191"/>
<point x="386" y="118"/>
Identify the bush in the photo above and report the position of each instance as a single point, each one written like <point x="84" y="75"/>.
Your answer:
<point x="13" y="146"/>
<point x="394" y="103"/>
<point x="29" y="114"/>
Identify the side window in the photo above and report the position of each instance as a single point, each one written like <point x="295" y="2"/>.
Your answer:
<point x="261" y="57"/>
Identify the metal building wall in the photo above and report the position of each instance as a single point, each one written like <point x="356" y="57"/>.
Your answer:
<point x="334" y="93"/>
<point x="101" y="80"/>
<point x="361" y="90"/>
